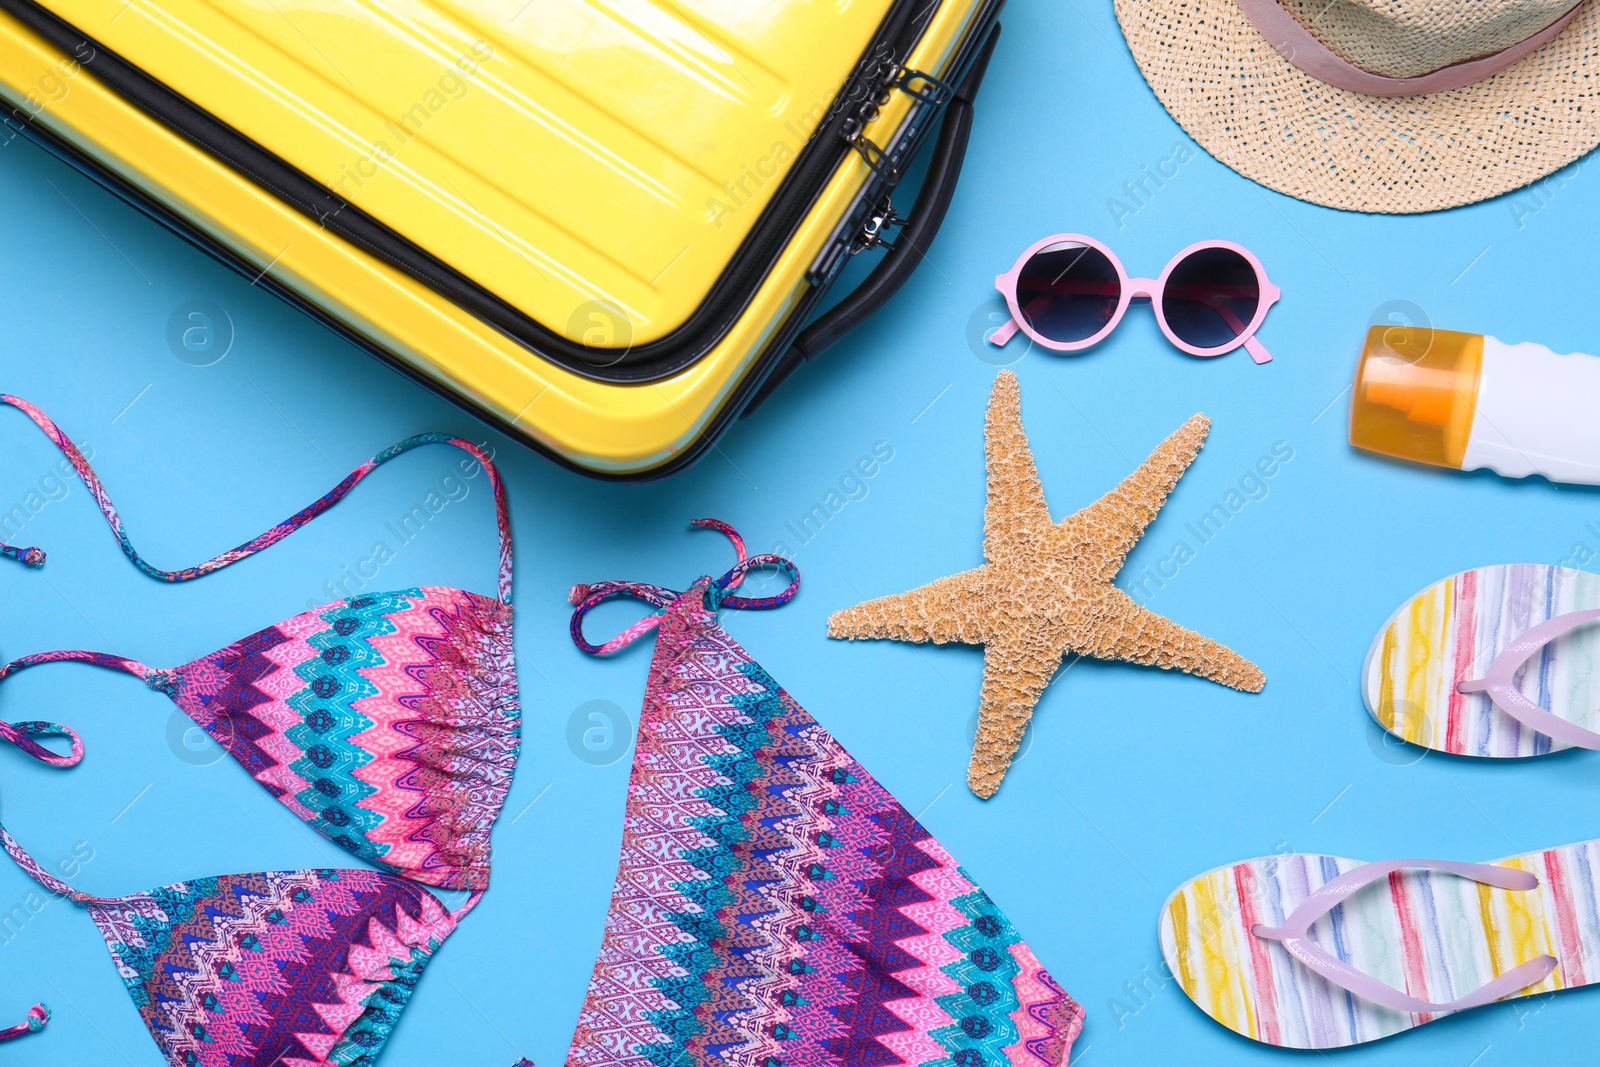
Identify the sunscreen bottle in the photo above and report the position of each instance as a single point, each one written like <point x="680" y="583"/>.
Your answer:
<point x="1466" y="401"/>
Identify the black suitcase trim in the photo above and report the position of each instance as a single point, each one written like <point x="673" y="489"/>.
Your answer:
<point x="772" y="365"/>
<point x="685" y="345"/>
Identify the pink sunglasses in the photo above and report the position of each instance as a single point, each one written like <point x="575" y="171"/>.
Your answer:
<point x="1069" y="291"/>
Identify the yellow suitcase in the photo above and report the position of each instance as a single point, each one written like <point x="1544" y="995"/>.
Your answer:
<point x="600" y="224"/>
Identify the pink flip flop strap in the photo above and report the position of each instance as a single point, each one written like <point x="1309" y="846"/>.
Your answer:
<point x="1292" y="935"/>
<point x="1501" y="685"/>
<point x="1300" y="47"/>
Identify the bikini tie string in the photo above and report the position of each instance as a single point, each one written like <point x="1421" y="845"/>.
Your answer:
<point x="33" y="557"/>
<point x="38" y="1015"/>
<point x="719" y="593"/>
<point x="23" y="735"/>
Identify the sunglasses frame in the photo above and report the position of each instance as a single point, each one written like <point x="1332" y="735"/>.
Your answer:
<point x="1150" y="288"/>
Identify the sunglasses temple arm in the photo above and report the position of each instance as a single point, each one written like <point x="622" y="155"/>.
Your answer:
<point x="1005" y="333"/>
<point x="1257" y="350"/>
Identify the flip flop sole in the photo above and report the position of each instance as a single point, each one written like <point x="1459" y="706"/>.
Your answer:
<point x="1433" y="935"/>
<point x="1452" y="631"/>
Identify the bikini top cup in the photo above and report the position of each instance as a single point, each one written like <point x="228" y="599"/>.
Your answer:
<point x="274" y="969"/>
<point x="389" y="723"/>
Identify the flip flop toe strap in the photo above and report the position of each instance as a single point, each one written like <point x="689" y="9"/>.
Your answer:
<point x="1501" y="686"/>
<point x="1293" y="935"/>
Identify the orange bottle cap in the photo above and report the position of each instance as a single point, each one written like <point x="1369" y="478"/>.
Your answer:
<point x="1415" y="393"/>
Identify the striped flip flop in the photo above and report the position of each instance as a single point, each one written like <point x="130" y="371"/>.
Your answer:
<point x="1495" y="661"/>
<point x="1316" y="952"/>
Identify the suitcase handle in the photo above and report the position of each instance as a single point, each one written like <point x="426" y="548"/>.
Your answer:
<point x="933" y="200"/>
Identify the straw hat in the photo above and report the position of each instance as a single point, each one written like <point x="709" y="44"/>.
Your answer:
<point x="1377" y="105"/>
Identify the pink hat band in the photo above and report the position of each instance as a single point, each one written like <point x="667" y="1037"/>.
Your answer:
<point x="1297" y="45"/>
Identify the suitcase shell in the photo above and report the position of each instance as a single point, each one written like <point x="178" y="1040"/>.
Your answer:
<point x="598" y="224"/>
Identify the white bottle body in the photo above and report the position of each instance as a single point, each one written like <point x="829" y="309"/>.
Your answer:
<point x="1538" y="412"/>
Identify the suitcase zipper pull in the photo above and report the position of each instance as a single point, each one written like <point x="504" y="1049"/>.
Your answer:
<point x="872" y="234"/>
<point x="932" y="91"/>
<point x="876" y="157"/>
<point x="923" y="87"/>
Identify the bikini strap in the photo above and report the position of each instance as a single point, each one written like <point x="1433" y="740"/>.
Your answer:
<point x="718" y="594"/>
<point x="38" y="1015"/>
<point x="22" y="735"/>
<point x="14" y="731"/>
<point x="35" y="557"/>
<point x="471" y="902"/>
<point x="32" y="868"/>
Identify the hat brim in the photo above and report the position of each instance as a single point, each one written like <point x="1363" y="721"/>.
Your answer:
<point x="1255" y="111"/>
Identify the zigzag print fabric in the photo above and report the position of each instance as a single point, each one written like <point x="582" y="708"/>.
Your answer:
<point x="388" y="723"/>
<point x="288" y="968"/>
<point x="775" y="906"/>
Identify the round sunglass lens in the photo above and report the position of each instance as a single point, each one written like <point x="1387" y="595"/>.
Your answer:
<point x="1068" y="291"/>
<point x="1211" y="297"/>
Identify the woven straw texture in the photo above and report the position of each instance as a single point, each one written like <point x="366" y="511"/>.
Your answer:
<point x="1273" y="123"/>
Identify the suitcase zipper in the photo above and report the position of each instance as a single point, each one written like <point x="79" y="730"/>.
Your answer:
<point x="871" y="234"/>
<point x="879" y="72"/>
<point x="933" y="93"/>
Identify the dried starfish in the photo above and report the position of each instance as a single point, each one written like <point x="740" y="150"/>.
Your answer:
<point x="1046" y="589"/>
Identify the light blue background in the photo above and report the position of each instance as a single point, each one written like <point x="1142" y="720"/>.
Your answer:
<point x="1136" y="779"/>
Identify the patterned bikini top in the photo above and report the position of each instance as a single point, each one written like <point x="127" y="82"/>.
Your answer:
<point x="387" y="722"/>
<point x="273" y="969"/>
